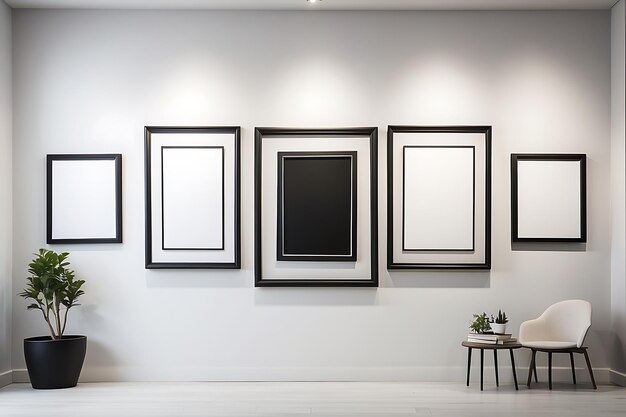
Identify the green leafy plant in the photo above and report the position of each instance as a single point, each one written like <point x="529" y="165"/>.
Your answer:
<point x="52" y="288"/>
<point x="480" y="323"/>
<point x="501" y="318"/>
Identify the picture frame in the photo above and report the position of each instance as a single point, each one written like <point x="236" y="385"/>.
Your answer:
<point x="307" y="180"/>
<point x="316" y="198"/>
<point x="438" y="197"/>
<point x="192" y="188"/>
<point x="83" y="198"/>
<point x="556" y="211"/>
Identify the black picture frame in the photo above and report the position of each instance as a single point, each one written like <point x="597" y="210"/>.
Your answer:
<point x="235" y="262"/>
<point x="50" y="160"/>
<point x="307" y="235"/>
<point x="582" y="222"/>
<point x="481" y="263"/>
<point x="366" y="133"/>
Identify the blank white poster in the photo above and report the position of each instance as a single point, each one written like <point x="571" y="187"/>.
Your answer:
<point x="438" y="198"/>
<point x="548" y="199"/>
<point x="193" y="197"/>
<point x="83" y="199"/>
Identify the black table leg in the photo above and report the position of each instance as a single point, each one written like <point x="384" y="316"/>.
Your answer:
<point x="513" y="366"/>
<point x="482" y="357"/>
<point x="495" y="363"/>
<point x="469" y="364"/>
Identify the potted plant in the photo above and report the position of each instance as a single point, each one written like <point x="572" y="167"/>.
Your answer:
<point x="53" y="361"/>
<point x="480" y="323"/>
<point x="498" y="325"/>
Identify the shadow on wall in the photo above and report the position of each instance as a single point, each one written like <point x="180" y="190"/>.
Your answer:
<point x="396" y="279"/>
<point x="198" y="279"/>
<point x="316" y="296"/>
<point x="549" y="247"/>
<point x="5" y="330"/>
<point x="618" y="351"/>
<point x="435" y="279"/>
<point x="100" y="364"/>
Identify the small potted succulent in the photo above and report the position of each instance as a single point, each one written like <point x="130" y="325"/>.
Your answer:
<point x="498" y="324"/>
<point x="480" y="323"/>
<point x="53" y="361"/>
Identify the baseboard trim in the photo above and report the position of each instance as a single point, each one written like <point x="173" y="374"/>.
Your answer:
<point x="6" y="378"/>
<point x="20" y="376"/>
<point x="617" y="378"/>
<point x="603" y="376"/>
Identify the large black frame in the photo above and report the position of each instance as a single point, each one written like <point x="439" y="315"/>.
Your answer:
<point x="486" y="264"/>
<point x="117" y="158"/>
<point x="236" y="132"/>
<point x="368" y="133"/>
<point x="280" y="249"/>
<point x="515" y="158"/>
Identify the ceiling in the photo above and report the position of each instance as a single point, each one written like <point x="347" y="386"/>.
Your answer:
<point x="320" y="5"/>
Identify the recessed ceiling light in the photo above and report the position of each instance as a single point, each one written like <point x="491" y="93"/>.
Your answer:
<point x="313" y="1"/>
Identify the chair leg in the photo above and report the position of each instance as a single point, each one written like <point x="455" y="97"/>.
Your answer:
<point x="531" y="367"/>
<point x="495" y="363"/>
<point x="571" y="360"/>
<point x="469" y="364"/>
<point x="593" y="380"/>
<point x="550" y="370"/>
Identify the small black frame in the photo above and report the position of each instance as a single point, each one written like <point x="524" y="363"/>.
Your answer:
<point x="367" y="133"/>
<point x="582" y="159"/>
<point x="117" y="158"/>
<point x="236" y="132"/>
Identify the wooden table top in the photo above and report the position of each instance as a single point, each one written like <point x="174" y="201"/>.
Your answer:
<point x="491" y="346"/>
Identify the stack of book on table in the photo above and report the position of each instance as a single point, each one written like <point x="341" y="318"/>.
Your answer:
<point x="491" y="338"/>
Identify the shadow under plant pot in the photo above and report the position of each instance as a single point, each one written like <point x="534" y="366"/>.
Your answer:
<point x="54" y="363"/>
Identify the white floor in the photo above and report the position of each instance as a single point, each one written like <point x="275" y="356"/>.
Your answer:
<point x="312" y="399"/>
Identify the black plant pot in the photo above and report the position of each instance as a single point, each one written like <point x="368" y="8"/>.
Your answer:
<point x="54" y="363"/>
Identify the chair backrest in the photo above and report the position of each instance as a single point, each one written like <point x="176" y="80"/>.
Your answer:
<point x="568" y="321"/>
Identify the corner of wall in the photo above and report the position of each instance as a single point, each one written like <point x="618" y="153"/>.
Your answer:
<point x="617" y="378"/>
<point x="618" y="192"/>
<point x="6" y="204"/>
<point x="6" y="378"/>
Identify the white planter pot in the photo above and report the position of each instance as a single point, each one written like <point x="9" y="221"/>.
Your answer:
<point x="498" y="328"/>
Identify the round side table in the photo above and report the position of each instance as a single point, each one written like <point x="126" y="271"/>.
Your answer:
<point x="495" y="348"/>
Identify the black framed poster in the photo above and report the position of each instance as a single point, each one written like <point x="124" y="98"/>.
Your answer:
<point x="317" y="215"/>
<point x="192" y="197"/>
<point x="439" y="197"/>
<point x="316" y="207"/>
<point x="84" y="198"/>
<point x="548" y="198"/>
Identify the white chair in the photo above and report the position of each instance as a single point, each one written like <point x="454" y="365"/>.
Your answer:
<point x="560" y="329"/>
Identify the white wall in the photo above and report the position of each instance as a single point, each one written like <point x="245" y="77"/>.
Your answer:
<point x="88" y="81"/>
<point x="6" y="116"/>
<point x="618" y="186"/>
